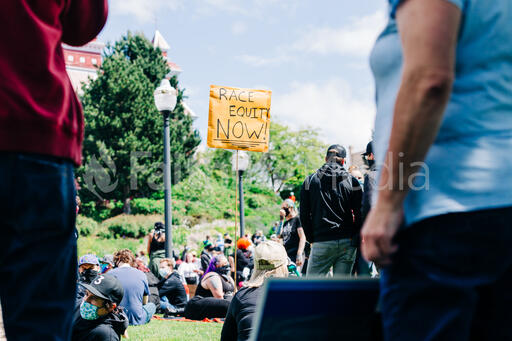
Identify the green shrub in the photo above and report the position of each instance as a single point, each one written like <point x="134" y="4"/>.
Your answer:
<point x="147" y="206"/>
<point x="258" y="189"/>
<point x="86" y="226"/>
<point x="101" y="211"/>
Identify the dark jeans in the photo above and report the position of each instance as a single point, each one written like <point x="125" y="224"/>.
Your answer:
<point x="451" y="279"/>
<point x="38" y="262"/>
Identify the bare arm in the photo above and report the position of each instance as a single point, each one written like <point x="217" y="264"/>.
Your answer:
<point x="428" y="30"/>
<point x="302" y="244"/>
<point x="145" y="299"/>
<point x="150" y="238"/>
<point x="214" y="284"/>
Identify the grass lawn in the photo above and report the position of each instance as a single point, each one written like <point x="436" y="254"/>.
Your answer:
<point x="100" y="247"/>
<point x="175" y="330"/>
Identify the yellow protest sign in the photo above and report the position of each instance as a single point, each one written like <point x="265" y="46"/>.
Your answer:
<point x="239" y="118"/>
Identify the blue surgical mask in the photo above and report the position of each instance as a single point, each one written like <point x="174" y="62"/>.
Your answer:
<point x="88" y="311"/>
<point x="163" y="272"/>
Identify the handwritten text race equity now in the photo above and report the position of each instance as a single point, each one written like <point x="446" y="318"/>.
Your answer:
<point x="239" y="118"/>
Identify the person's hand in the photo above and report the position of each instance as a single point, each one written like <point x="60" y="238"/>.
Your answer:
<point x="377" y="234"/>
<point x="282" y="214"/>
<point x="299" y="260"/>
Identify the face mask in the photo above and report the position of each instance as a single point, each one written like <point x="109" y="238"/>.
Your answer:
<point x="88" y="275"/>
<point x="369" y="163"/>
<point x="286" y="210"/>
<point x="163" y="272"/>
<point x="88" y="311"/>
<point x="223" y="270"/>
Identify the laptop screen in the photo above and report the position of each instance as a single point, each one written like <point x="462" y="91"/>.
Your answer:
<point x="317" y="309"/>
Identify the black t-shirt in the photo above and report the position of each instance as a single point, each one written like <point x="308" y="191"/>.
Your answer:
<point x="173" y="289"/>
<point x="239" y="319"/>
<point x="291" y="236"/>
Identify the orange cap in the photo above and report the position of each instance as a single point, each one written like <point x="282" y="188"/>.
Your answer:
<point x="243" y="243"/>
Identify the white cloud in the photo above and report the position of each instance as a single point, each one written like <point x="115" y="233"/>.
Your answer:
<point x="238" y="28"/>
<point x="247" y="8"/>
<point x="230" y="6"/>
<point x="353" y="39"/>
<point x="330" y="107"/>
<point x="143" y="10"/>
<point x="257" y="61"/>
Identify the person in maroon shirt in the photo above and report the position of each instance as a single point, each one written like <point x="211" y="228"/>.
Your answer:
<point x="41" y="132"/>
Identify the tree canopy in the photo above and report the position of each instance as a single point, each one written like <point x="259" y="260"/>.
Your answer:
<point x="123" y="142"/>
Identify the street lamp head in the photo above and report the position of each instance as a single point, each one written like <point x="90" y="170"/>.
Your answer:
<point x="243" y="160"/>
<point x="165" y="96"/>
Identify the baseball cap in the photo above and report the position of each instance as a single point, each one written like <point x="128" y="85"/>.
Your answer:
<point x="88" y="259"/>
<point x="108" y="259"/>
<point x="369" y="148"/>
<point x="106" y="286"/>
<point x="336" y="150"/>
<point x="268" y="257"/>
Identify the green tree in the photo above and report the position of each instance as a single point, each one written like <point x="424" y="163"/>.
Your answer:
<point x="123" y="149"/>
<point x="291" y="157"/>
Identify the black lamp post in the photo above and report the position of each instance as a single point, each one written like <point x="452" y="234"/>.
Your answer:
<point x="243" y="164"/>
<point x="165" y="101"/>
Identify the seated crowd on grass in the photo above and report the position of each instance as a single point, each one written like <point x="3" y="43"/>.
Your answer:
<point x="119" y="290"/>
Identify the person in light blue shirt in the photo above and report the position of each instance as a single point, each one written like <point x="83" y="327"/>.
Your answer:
<point x="441" y="223"/>
<point x="136" y="289"/>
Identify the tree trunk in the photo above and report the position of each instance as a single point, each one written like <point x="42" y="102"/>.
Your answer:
<point x="127" y="209"/>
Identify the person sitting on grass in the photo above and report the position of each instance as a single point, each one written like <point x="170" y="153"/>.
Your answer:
<point x="136" y="288"/>
<point x="189" y="270"/>
<point x="173" y="297"/>
<point x="244" y="263"/>
<point x="98" y="316"/>
<point x="213" y="293"/>
<point x="107" y="263"/>
<point x="154" y="296"/>
<point x="88" y="268"/>
<point x="270" y="260"/>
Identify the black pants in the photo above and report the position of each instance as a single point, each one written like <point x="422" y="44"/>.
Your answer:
<point x="451" y="279"/>
<point x="199" y="308"/>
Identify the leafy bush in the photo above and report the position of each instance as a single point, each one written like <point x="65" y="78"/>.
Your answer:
<point x="147" y="206"/>
<point x="100" y="211"/>
<point x="86" y="226"/>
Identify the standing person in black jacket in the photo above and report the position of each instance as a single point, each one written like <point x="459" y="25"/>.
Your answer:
<point x="330" y="213"/>
<point x="98" y="317"/>
<point x="270" y="260"/>
<point x="361" y="266"/>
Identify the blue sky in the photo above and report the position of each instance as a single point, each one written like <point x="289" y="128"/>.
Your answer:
<point x="313" y="55"/>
